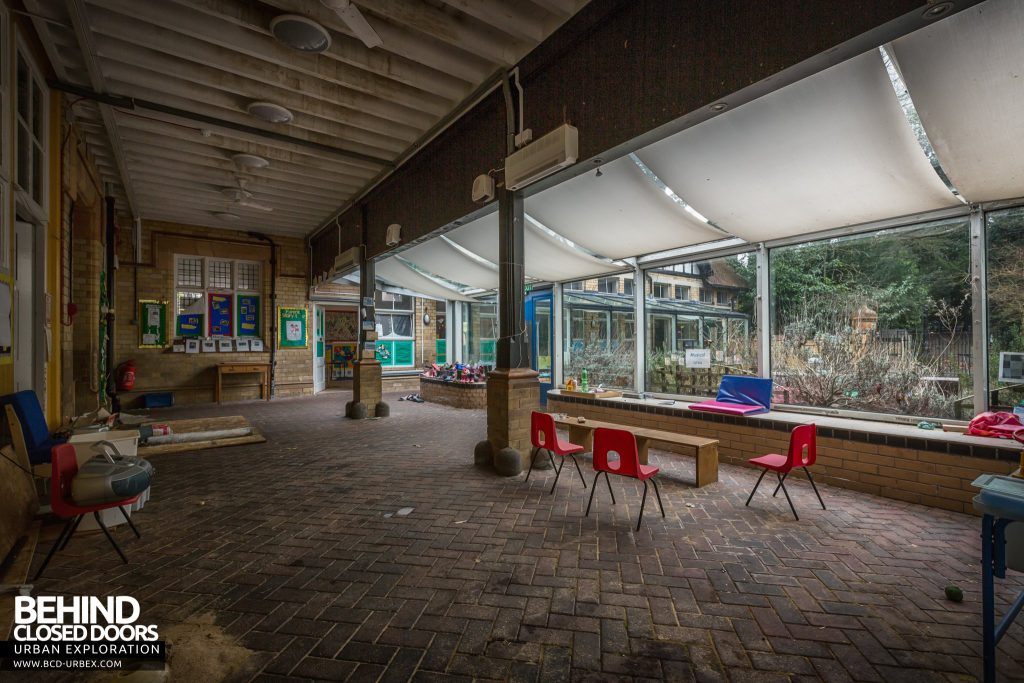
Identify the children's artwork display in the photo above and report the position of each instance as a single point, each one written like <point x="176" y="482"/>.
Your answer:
<point x="341" y="326"/>
<point x="248" y="315"/>
<point x="293" y="330"/>
<point x="219" y="309"/>
<point x="343" y="354"/>
<point x="189" y="325"/>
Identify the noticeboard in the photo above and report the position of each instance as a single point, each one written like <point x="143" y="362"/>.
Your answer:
<point x="219" y="308"/>
<point x="292" y="328"/>
<point x="152" y="324"/>
<point x="248" y="315"/>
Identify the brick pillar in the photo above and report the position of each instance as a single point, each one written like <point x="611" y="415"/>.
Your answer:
<point x="512" y="394"/>
<point x="366" y="389"/>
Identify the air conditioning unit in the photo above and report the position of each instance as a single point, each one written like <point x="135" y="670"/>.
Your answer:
<point x="542" y="157"/>
<point x="345" y="263"/>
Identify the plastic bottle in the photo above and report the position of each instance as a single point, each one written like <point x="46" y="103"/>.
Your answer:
<point x="584" y="383"/>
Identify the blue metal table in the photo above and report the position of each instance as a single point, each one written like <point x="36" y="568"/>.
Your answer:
<point x="1001" y="502"/>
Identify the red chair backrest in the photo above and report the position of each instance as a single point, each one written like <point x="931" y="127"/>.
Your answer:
<point x="64" y="467"/>
<point x="618" y="441"/>
<point x="542" y="431"/>
<point x="802" y="446"/>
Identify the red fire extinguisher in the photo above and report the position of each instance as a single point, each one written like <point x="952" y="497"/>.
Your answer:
<point x="125" y="376"/>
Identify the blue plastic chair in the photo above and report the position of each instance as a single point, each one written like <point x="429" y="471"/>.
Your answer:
<point x="33" y="425"/>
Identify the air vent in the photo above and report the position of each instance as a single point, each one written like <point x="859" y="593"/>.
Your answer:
<point x="300" y="33"/>
<point x="269" y="112"/>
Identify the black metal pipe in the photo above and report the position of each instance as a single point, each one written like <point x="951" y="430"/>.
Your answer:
<point x="273" y="307"/>
<point x="111" y="255"/>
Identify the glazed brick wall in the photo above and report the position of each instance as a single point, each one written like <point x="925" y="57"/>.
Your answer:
<point x="454" y="394"/>
<point x="191" y="377"/>
<point x="915" y="475"/>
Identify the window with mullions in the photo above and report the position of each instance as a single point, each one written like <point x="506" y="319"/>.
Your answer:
<point x="680" y="324"/>
<point x="395" y="329"/>
<point x="235" y="287"/>
<point x="877" y="322"/>
<point x="30" y="124"/>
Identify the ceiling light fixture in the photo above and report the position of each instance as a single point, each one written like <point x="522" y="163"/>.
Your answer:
<point x="226" y="215"/>
<point x="249" y="161"/>
<point x="269" y="112"/>
<point x="719" y="106"/>
<point x="300" y="33"/>
<point x="939" y="9"/>
<point x="599" y="173"/>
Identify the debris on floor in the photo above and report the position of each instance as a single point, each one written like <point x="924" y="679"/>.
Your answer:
<point x="199" y="650"/>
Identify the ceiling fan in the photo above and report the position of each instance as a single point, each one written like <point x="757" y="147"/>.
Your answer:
<point x="355" y="20"/>
<point x="241" y="196"/>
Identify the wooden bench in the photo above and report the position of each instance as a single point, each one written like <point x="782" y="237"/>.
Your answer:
<point x="705" y="450"/>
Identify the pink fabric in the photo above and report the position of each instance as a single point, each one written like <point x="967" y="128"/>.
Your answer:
<point x="728" y="408"/>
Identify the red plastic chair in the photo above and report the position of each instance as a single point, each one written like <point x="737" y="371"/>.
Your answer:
<point x="63" y="469"/>
<point x="802" y="453"/>
<point x="544" y="437"/>
<point x="623" y="443"/>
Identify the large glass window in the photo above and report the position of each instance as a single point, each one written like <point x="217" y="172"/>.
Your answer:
<point x="1005" y="243"/>
<point x="30" y="123"/>
<point x="233" y="284"/>
<point x="395" y="329"/>
<point x="480" y="332"/>
<point x="599" y="334"/>
<point x="877" y="322"/>
<point x="718" y="331"/>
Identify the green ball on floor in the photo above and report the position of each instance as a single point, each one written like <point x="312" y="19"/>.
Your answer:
<point x="954" y="593"/>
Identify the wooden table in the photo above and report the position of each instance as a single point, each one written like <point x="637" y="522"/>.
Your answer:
<point x="705" y="450"/>
<point x="261" y="369"/>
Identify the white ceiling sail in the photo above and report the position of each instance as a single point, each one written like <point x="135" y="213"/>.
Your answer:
<point x="831" y="150"/>
<point x="618" y="214"/>
<point x="547" y="258"/>
<point x="966" y="77"/>
<point x="441" y="258"/>
<point x="397" y="273"/>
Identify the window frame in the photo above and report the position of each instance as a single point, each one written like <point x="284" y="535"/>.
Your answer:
<point x="35" y="74"/>
<point x="206" y="288"/>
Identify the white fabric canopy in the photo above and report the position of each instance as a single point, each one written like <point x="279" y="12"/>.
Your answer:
<point x="397" y="273"/>
<point x="622" y="213"/>
<point x="966" y="77"/>
<point x="546" y="257"/>
<point x="438" y="257"/>
<point x="831" y="150"/>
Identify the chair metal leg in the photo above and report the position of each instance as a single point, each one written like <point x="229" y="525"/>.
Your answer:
<point x="558" y="473"/>
<point x="751" y="497"/>
<point x="579" y="470"/>
<point x="56" y="544"/>
<point x="811" y="479"/>
<point x="643" y="501"/>
<point x="609" y="482"/>
<point x="593" y="489"/>
<point x="74" y="528"/>
<point x="776" y="492"/>
<point x="781" y="484"/>
<point x="110" y="538"/>
<point x="658" y="494"/>
<point x="532" y="460"/>
<point x="128" y="519"/>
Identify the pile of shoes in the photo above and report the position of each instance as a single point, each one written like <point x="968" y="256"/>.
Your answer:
<point x="415" y="398"/>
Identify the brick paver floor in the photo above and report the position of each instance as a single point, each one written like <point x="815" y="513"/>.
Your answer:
<point x="296" y="547"/>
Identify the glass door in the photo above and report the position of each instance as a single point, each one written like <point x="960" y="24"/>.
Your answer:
<point x="540" y="322"/>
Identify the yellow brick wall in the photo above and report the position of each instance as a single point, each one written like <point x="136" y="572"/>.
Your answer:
<point x="191" y="376"/>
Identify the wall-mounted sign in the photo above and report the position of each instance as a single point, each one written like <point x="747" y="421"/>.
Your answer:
<point x="698" y="358"/>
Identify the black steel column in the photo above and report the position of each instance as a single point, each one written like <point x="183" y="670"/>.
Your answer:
<point x="512" y="350"/>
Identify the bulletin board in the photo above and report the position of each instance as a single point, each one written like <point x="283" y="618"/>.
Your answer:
<point x="219" y="308"/>
<point x="292" y="328"/>
<point x="152" y="324"/>
<point x="248" y="316"/>
<point x="189" y="325"/>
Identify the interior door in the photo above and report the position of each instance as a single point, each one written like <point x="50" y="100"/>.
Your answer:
<point x="24" y="307"/>
<point x="319" y="367"/>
